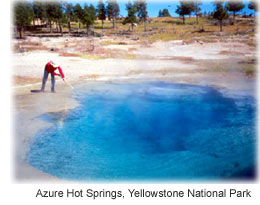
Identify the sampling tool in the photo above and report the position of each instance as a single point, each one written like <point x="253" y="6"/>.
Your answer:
<point x="68" y="84"/>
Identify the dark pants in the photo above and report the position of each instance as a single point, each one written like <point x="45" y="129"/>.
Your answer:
<point x="44" y="80"/>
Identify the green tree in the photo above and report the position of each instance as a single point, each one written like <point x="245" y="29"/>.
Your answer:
<point x="160" y="13"/>
<point x="39" y="9"/>
<point x="234" y="6"/>
<point x="22" y="16"/>
<point x="131" y="15"/>
<point x="112" y="11"/>
<point x="59" y="17"/>
<point x="101" y="12"/>
<point x="185" y="8"/>
<point x="69" y="14"/>
<point x="54" y="13"/>
<point x="89" y="16"/>
<point x="141" y="9"/>
<point x="78" y="14"/>
<point x="220" y="13"/>
<point x="197" y="9"/>
<point x="253" y="6"/>
<point x="165" y="13"/>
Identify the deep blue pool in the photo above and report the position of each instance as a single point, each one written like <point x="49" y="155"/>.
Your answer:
<point x="149" y="131"/>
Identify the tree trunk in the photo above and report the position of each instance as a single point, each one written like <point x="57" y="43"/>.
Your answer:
<point x="60" y="27"/>
<point x="69" y="27"/>
<point x="144" y="25"/>
<point x="57" y="30"/>
<point x="87" y="30"/>
<point x="50" y="26"/>
<point x="20" y="32"/>
<point x="220" y="25"/>
<point x="132" y="25"/>
<point x="113" y="23"/>
<point x="102" y="24"/>
<point x="183" y="19"/>
<point x="197" y="18"/>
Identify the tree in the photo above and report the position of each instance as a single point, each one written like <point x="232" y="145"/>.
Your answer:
<point x="59" y="17"/>
<point x="112" y="11"/>
<point x="69" y="14"/>
<point x="78" y="13"/>
<point x="197" y="9"/>
<point x="141" y="9"/>
<point x="89" y="16"/>
<point x="220" y="13"/>
<point x="22" y="16"/>
<point x="234" y="6"/>
<point x="54" y="13"/>
<point x="101" y="12"/>
<point x="160" y="13"/>
<point x="253" y="6"/>
<point x="185" y="8"/>
<point x="39" y="9"/>
<point x="131" y="15"/>
<point x="165" y="13"/>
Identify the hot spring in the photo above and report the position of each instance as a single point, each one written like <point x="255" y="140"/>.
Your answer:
<point x="149" y="131"/>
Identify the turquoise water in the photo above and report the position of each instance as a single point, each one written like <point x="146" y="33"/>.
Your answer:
<point x="149" y="131"/>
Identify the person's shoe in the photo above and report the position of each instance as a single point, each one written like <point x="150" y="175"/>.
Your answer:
<point x="53" y="91"/>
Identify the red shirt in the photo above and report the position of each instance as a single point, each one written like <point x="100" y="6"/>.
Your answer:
<point x="51" y="69"/>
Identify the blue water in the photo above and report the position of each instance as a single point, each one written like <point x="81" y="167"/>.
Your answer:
<point x="149" y="131"/>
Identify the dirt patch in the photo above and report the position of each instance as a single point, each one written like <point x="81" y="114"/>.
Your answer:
<point x="91" y="76"/>
<point x="26" y="46"/>
<point x="65" y="54"/>
<point x="233" y="53"/>
<point x="24" y="80"/>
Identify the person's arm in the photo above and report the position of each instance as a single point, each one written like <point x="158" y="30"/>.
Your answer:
<point x="61" y="73"/>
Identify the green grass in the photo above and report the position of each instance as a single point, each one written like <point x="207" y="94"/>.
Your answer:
<point x="92" y="57"/>
<point x="249" y="69"/>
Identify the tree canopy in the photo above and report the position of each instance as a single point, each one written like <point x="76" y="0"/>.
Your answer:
<point x="197" y="9"/>
<point x="253" y="6"/>
<point x="164" y="13"/>
<point x="22" y="16"/>
<point x="141" y="9"/>
<point x="220" y="13"/>
<point x="234" y="6"/>
<point x="112" y="10"/>
<point x="185" y="8"/>
<point x="89" y="16"/>
<point x="101" y="12"/>
<point x="131" y="14"/>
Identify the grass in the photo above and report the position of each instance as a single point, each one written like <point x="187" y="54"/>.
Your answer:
<point x="163" y="37"/>
<point x="109" y="42"/>
<point x="172" y="28"/>
<point x="249" y="69"/>
<point x="92" y="57"/>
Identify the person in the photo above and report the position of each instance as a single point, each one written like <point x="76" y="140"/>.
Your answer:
<point x="50" y="67"/>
